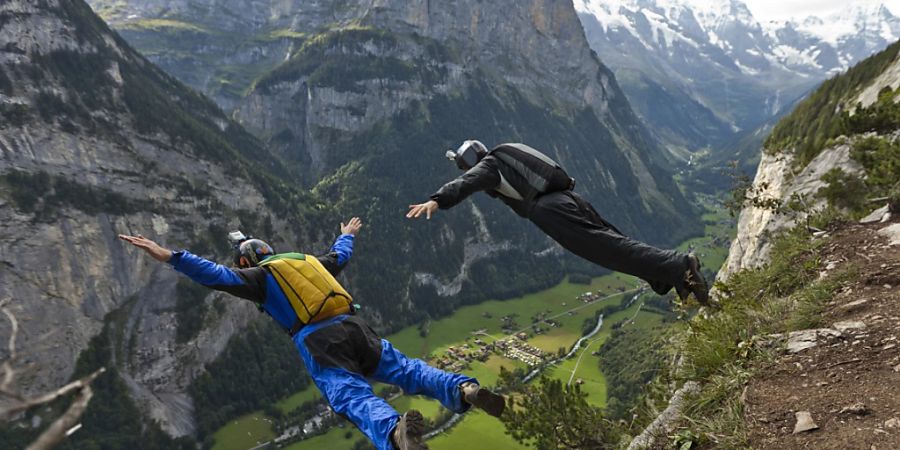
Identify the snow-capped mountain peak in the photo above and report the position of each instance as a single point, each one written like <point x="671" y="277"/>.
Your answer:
<point x="854" y="19"/>
<point x="720" y="61"/>
<point x="809" y="46"/>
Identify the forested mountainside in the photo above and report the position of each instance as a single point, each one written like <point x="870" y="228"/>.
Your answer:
<point x="804" y="345"/>
<point x="96" y="141"/>
<point x="799" y="350"/>
<point x="836" y="146"/>
<point x="364" y="97"/>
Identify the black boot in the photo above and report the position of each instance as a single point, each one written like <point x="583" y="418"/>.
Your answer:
<point x="481" y="398"/>
<point x="694" y="282"/>
<point x="407" y="435"/>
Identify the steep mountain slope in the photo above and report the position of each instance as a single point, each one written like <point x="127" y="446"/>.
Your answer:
<point x="370" y="95"/>
<point x="730" y="72"/>
<point x="95" y="141"/>
<point x="803" y="147"/>
<point x="379" y="102"/>
<point x="803" y="353"/>
<point x="849" y="362"/>
<point x="218" y="47"/>
<point x="739" y="157"/>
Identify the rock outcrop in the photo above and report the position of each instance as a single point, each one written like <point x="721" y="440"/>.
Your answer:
<point x="779" y="180"/>
<point x="95" y="141"/>
<point x="357" y="100"/>
<point x="776" y="180"/>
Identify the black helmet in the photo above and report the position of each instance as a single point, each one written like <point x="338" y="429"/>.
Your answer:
<point x="250" y="252"/>
<point x="468" y="154"/>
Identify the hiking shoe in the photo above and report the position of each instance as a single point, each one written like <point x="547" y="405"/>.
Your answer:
<point x="408" y="433"/>
<point x="694" y="282"/>
<point x="482" y="398"/>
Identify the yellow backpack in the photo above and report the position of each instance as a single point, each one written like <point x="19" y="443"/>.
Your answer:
<point x="312" y="291"/>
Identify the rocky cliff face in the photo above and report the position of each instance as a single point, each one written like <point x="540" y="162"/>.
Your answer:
<point x="96" y="141"/>
<point x="358" y="99"/>
<point x="414" y="53"/>
<point x="379" y="102"/>
<point x="776" y="179"/>
<point x="780" y="179"/>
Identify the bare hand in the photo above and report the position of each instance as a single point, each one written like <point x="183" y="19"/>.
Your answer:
<point x="428" y="208"/>
<point x="352" y="226"/>
<point x="152" y="248"/>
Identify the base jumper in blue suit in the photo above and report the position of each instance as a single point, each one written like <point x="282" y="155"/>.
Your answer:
<point x="340" y="352"/>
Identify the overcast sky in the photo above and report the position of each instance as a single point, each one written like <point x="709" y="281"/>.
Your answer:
<point x="765" y="10"/>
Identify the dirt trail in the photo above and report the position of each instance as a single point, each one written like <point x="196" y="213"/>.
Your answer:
<point x="849" y="381"/>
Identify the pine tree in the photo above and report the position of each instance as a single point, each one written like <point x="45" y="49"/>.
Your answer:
<point x="551" y="416"/>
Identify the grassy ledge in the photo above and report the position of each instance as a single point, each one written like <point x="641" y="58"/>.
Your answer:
<point x="723" y="351"/>
<point x="162" y="25"/>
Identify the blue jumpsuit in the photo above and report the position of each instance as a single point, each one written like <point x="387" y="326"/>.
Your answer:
<point x="340" y="353"/>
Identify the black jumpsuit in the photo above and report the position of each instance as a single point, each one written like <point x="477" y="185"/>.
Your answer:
<point x="574" y="224"/>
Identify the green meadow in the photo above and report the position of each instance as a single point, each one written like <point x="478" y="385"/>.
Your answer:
<point x="476" y="431"/>
<point x="338" y="438"/>
<point x="586" y="367"/>
<point x="288" y="404"/>
<point x="486" y="316"/>
<point x="244" y="432"/>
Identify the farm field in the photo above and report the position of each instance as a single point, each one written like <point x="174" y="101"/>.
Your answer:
<point x="586" y="367"/>
<point x="455" y="328"/>
<point x="244" y="432"/>
<point x="338" y="438"/>
<point x="476" y="431"/>
<point x="290" y="403"/>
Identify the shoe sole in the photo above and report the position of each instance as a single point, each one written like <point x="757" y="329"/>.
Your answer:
<point x="414" y="427"/>
<point x="697" y="285"/>
<point x="491" y="403"/>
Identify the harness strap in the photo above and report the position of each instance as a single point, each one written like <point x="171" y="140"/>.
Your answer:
<point x="298" y="325"/>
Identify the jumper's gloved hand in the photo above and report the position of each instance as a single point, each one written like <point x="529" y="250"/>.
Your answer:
<point x="352" y="226"/>
<point x="152" y="248"/>
<point x="428" y="208"/>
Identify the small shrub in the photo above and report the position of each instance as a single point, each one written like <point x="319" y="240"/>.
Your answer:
<point x="6" y="85"/>
<point x="14" y="115"/>
<point x="844" y="190"/>
<point x="579" y="278"/>
<point x="881" y="159"/>
<point x="190" y="309"/>
<point x="894" y="198"/>
<point x="550" y="415"/>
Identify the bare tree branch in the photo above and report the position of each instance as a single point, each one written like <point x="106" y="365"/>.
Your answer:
<point x="51" y="396"/>
<point x="8" y="372"/>
<point x="660" y="426"/>
<point x="56" y="432"/>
